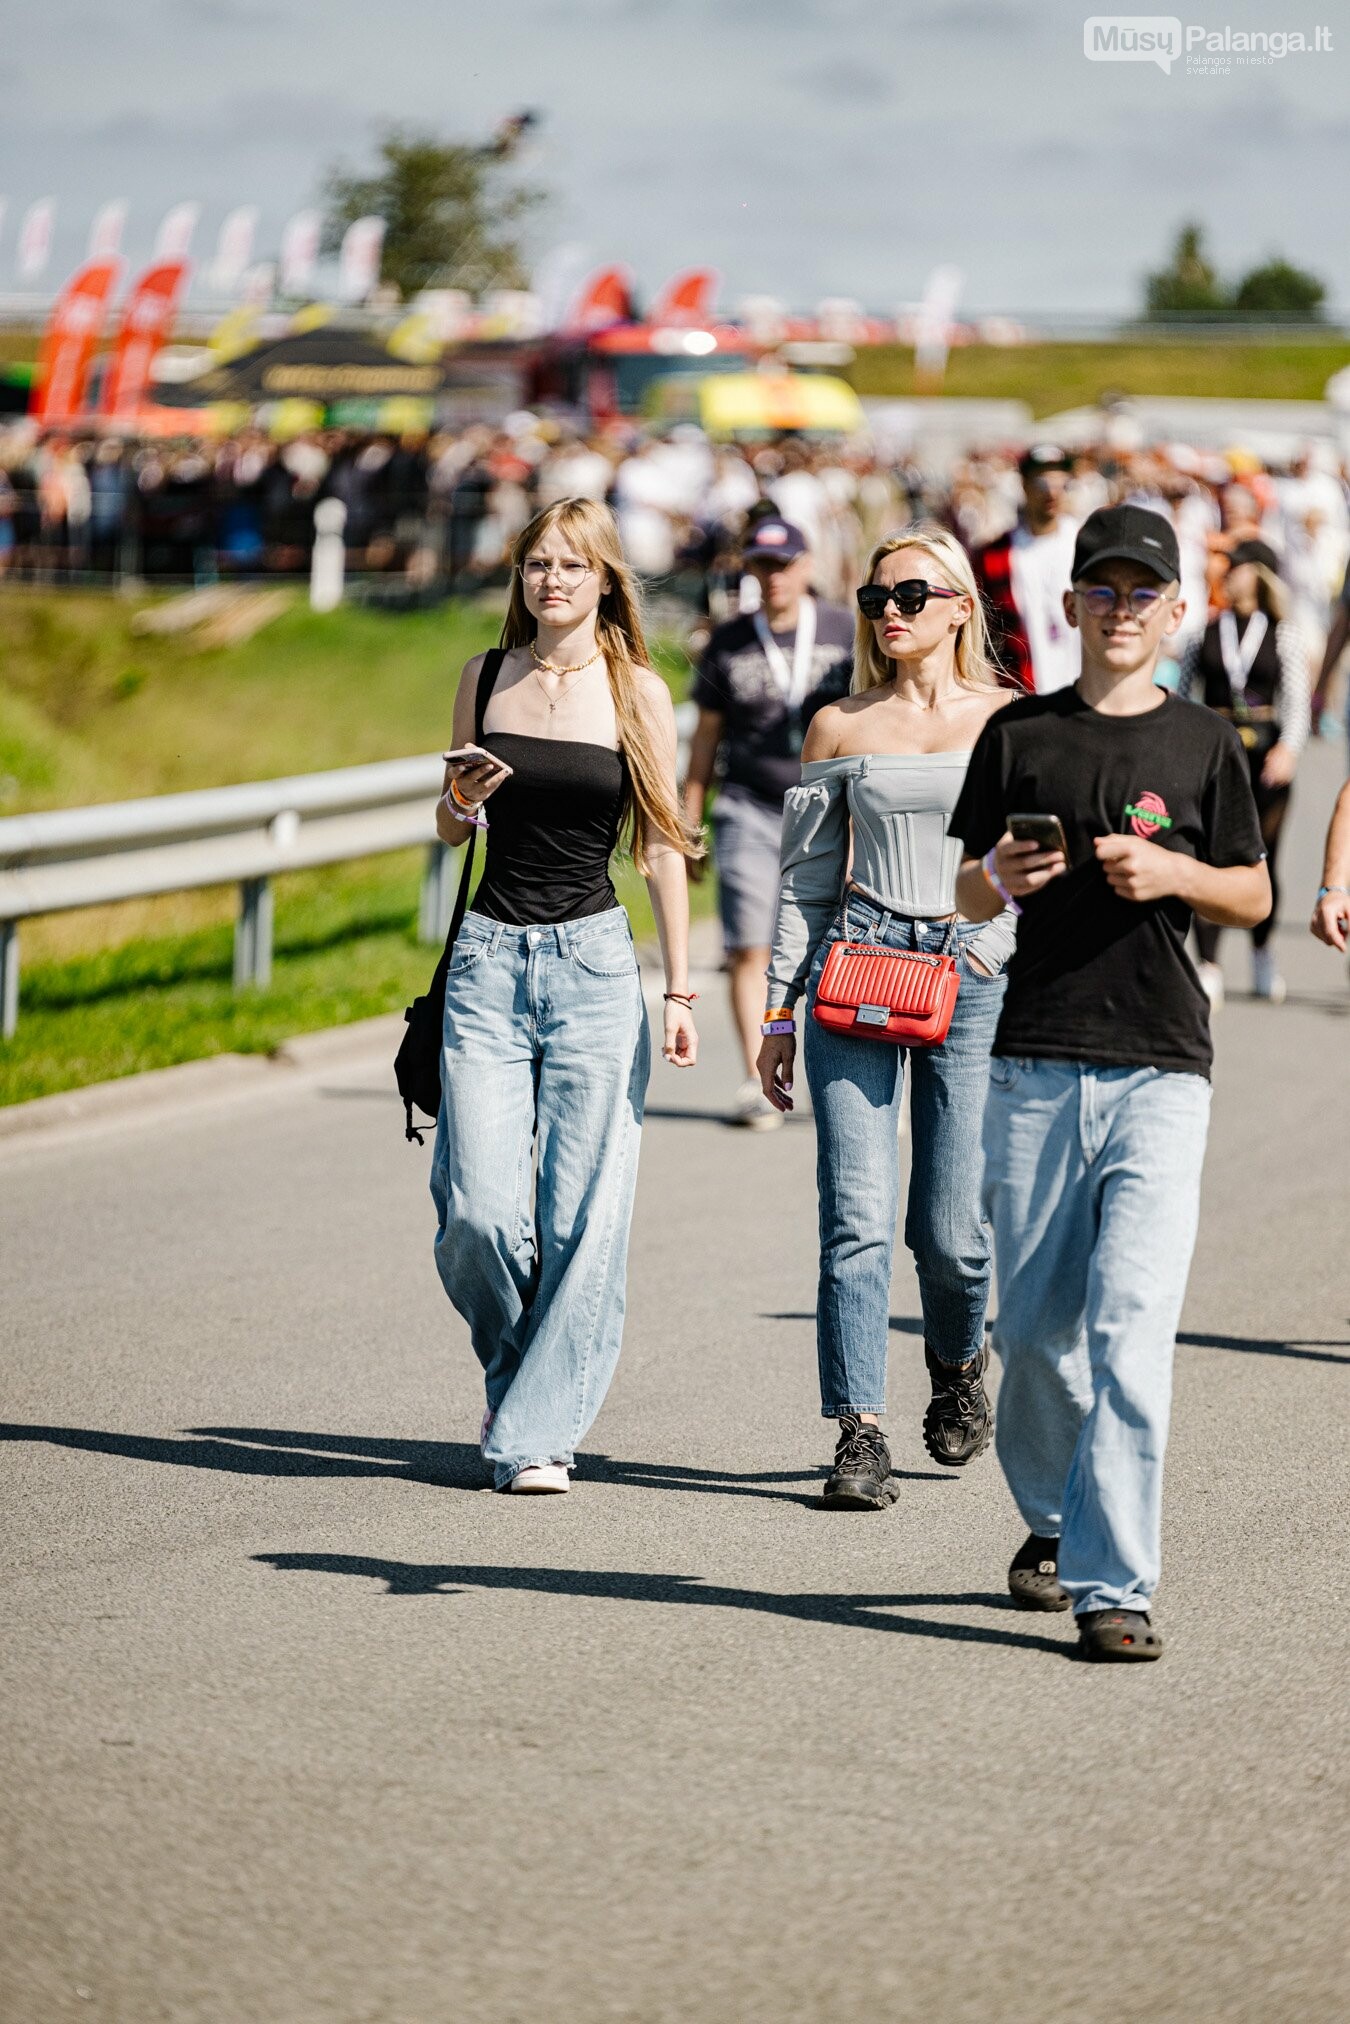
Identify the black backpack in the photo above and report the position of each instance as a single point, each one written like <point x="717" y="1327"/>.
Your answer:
<point x="417" y="1065"/>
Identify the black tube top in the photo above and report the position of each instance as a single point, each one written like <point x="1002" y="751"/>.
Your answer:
<point x="552" y="828"/>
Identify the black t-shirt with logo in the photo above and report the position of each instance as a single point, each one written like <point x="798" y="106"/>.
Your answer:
<point x="1096" y="977"/>
<point x="762" y="734"/>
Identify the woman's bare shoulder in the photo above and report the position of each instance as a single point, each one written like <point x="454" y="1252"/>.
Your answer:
<point x="824" y="732"/>
<point x="653" y="693"/>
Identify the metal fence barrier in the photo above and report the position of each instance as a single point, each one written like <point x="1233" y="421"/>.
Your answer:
<point x="86" y="857"/>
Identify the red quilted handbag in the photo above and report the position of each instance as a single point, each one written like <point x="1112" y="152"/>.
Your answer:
<point x="887" y="994"/>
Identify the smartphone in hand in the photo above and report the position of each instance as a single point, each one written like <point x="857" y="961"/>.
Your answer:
<point x="465" y="756"/>
<point x="1045" y="831"/>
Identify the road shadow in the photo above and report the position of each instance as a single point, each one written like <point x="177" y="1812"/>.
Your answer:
<point x="670" y="1114"/>
<point x="724" y="1482"/>
<point x="458" y="1465"/>
<point x="899" y="1324"/>
<point x="1309" y="1349"/>
<point x="847" y="1612"/>
<point x="269" y="1451"/>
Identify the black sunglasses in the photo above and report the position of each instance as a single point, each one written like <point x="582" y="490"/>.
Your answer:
<point x="909" y="597"/>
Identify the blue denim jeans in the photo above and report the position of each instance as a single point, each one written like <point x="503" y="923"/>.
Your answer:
<point x="856" y="1086"/>
<point x="544" y="1074"/>
<point x="1092" y="1186"/>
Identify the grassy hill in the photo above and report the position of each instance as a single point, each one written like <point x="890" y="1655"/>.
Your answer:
<point x="1054" y="376"/>
<point x="92" y="711"/>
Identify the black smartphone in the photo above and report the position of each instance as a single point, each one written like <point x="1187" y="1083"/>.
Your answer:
<point x="1046" y="831"/>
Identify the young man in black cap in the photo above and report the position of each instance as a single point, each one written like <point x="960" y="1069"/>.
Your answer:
<point x="1022" y="575"/>
<point x="1099" y="1092"/>
<point x="762" y="678"/>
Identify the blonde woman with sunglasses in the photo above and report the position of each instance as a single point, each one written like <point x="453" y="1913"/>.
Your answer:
<point x="867" y="857"/>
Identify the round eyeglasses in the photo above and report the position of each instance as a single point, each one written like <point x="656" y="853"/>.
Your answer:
<point x="571" y="575"/>
<point x="1101" y="600"/>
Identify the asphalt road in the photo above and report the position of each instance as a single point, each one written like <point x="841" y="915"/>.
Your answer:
<point x="301" y="1726"/>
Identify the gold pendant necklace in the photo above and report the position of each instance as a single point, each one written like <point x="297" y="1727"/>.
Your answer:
<point x="542" y="668"/>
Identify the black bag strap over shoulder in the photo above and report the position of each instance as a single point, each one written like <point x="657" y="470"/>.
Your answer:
<point x="417" y="1065"/>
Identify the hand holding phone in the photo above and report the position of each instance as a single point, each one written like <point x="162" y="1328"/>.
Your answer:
<point x="464" y="758"/>
<point x="1031" y="851"/>
<point x="474" y="775"/>
<point x="1045" y="831"/>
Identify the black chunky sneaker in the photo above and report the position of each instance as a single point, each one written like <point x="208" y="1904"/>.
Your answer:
<point x="959" y="1423"/>
<point x="1033" y="1578"/>
<point x="861" y="1478"/>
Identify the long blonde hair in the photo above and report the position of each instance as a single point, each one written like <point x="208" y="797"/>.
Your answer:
<point x="976" y="667"/>
<point x="590" y="528"/>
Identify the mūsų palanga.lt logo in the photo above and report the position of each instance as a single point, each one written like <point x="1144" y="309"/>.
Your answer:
<point x="1148" y="815"/>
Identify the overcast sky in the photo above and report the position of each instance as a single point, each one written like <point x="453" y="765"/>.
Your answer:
<point x="804" y="147"/>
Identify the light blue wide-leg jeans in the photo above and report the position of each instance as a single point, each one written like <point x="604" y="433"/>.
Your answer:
<point x="544" y="1073"/>
<point x="1092" y="1188"/>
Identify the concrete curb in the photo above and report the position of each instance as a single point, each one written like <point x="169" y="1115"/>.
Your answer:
<point x="162" y="1092"/>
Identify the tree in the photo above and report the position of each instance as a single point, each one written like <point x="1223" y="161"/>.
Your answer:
<point x="451" y="220"/>
<point x="1277" y="289"/>
<point x="1189" y="287"/>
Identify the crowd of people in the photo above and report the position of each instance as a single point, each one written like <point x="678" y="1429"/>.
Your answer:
<point x="976" y="858"/>
<point x="446" y="507"/>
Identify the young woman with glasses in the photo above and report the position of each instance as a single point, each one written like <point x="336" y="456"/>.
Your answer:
<point x="546" y="1053"/>
<point x="867" y="857"/>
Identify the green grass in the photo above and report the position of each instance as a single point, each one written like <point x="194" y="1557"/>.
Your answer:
<point x="1054" y="376"/>
<point x="89" y="711"/>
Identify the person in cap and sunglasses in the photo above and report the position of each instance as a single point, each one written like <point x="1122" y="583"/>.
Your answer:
<point x="763" y="676"/>
<point x="1094" y="1131"/>
<point x="866" y="856"/>
<point x="1022" y="575"/>
<point x="1251" y="665"/>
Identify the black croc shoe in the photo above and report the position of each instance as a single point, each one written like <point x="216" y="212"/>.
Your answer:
<point x="1033" y="1578"/>
<point x="959" y="1422"/>
<point x="1120" y="1635"/>
<point x="861" y="1478"/>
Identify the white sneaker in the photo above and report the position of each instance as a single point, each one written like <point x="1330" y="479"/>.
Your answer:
<point x="545" y="1479"/>
<point x="753" y="1109"/>
<point x="1267" y="982"/>
<point x="1211" y="976"/>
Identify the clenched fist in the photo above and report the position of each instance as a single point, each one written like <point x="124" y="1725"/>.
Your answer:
<point x="1136" y="869"/>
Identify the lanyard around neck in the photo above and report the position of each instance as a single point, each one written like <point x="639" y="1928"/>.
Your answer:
<point x="792" y="682"/>
<point x="1238" y="656"/>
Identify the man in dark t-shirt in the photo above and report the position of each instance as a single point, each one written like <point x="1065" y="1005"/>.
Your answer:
<point x="763" y="676"/>
<point x="1098" y="1104"/>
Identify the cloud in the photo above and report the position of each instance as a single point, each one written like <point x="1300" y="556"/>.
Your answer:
<point x="845" y="79"/>
<point x="222" y="13"/>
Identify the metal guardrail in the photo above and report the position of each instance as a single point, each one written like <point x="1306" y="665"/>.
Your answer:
<point x="84" y="857"/>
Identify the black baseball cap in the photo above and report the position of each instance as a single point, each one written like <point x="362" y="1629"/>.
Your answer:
<point x="1127" y="534"/>
<point x="1043" y="457"/>
<point x="1255" y="551"/>
<point x="774" y="540"/>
